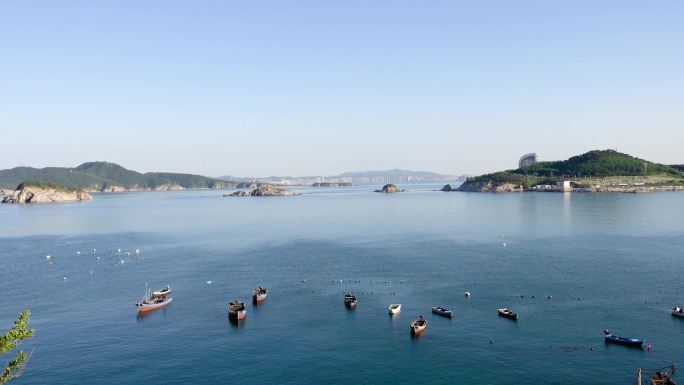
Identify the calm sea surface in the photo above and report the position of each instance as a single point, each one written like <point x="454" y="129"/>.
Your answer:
<point x="609" y="261"/>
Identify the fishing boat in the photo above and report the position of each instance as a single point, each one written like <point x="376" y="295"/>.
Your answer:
<point x="678" y="311"/>
<point x="467" y="294"/>
<point x="662" y="376"/>
<point x="394" y="308"/>
<point x="444" y="312"/>
<point x="152" y="301"/>
<point x="350" y="301"/>
<point x="163" y="292"/>
<point x="259" y="294"/>
<point x="508" y="313"/>
<point x="634" y="342"/>
<point x="237" y="311"/>
<point x="419" y="325"/>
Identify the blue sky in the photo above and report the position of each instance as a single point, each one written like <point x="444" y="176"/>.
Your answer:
<point x="255" y="88"/>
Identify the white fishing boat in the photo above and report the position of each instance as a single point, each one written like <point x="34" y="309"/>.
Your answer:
<point x="678" y="311"/>
<point x="394" y="308"/>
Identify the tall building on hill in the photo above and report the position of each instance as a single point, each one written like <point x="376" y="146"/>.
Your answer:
<point x="527" y="160"/>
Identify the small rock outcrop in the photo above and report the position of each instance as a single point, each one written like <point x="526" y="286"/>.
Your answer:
<point x="490" y="186"/>
<point x="168" y="187"/>
<point x="45" y="193"/>
<point x="389" y="188"/>
<point x="263" y="190"/>
<point x="447" y="187"/>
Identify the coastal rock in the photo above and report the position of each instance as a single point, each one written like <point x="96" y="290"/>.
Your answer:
<point x="113" y="188"/>
<point x="490" y="186"/>
<point x="168" y="187"/>
<point x="263" y="190"/>
<point x="42" y="193"/>
<point x="389" y="188"/>
<point x="447" y="187"/>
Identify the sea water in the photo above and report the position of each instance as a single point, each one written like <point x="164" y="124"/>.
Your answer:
<point x="571" y="265"/>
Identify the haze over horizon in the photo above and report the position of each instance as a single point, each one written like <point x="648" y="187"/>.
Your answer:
<point x="310" y="88"/>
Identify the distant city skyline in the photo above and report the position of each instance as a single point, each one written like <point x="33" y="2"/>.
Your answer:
<point x="313" y="88"/>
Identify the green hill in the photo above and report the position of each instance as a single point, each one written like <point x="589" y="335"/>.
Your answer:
<point x="598" y="164"/>
<point x="99" y="176"/>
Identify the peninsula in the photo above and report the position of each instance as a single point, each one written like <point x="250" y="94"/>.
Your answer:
<point x="109" y="177"/>
<point x="45" y="192"/>
<point x="594" y="171"/>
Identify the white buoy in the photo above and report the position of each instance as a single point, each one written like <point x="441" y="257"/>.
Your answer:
<point x="91" y="273"/>
<point x="504" y="244"/>
<point x="78" y="253"/>
<point x="94" y="250"/>
<point x="98" y="258"/>
<point x="137" y="251"/>
<point x="122" y="261"/>
<point x="118" y="250"/>
<point x="65" y="278"/>
<point x="48" y="257"/>
<point x="209" y="282"/>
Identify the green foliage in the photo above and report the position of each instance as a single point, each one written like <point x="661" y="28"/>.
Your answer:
<point x="10" y="340"/>
<point x="597" y="164"/>
<point x="43" y="185"/>
<point x="100" y="175"/>
<point x="600" y="163"/>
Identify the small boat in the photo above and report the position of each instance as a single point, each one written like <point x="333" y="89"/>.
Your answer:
<point x="678" y="311"/>
<point x="662" y="376"/>
<point x="508" y="313"/>
<point x="350" y="301"/>
<point x="635" y="342"/>
<point x="237" y="311"/>
<point x="394" y="308"/>
<point x="444" y="312"/>
<point x="467" y="294"/>
<point x="153" y="302"/>
<point x="419" y="325"/>
<point x="259" y="294"/>
<point x="163" y="292"/>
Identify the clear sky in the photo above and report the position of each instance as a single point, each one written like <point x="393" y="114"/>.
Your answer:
<point x="254" y="88"/>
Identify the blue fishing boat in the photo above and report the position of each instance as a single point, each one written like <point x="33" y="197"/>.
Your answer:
<point x="635" y="342"/>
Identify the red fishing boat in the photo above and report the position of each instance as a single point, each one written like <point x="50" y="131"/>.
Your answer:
<point x="418" y="326"/>
<point x="259" y="294"/>
<point x="154" y="300"/>
<point x="237" y="311"/>
<point x="350" y="301"/>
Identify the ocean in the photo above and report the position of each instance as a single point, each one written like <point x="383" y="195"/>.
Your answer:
<point x="571" y="265"/>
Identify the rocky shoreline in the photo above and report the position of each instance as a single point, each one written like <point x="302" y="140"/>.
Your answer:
<point x="45" y="194"/>
<point x="509" y="187"/>
<point x="261" y="190"/>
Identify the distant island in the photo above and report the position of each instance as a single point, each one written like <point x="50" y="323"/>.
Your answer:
<point x="389" y="189"/>
<point x="108" y="177"/>
<point x="354" y="178"/>
<point x="594" y="171"/>
<point x="261" y="190"/>
<point x="44" y="192"/>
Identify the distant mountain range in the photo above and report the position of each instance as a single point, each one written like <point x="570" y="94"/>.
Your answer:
<point x="357" y="178"/>
<point x="105" y="176"/>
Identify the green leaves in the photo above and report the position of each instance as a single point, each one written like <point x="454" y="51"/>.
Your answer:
<point x="10" y="340"/>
